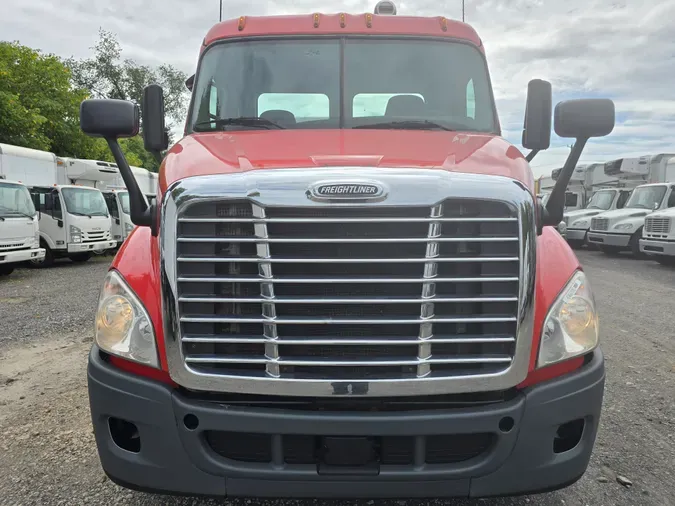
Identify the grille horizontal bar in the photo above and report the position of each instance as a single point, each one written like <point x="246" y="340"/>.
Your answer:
<point x="347" y="300"/>
<point x="344" y="260"/>
<point x="347" y="220"/>
<point x="345" y="280"/>
<point x="312" y="341"/>
<point x="356" y="321"/>
<point x="217" y="359"/>
<point x="310" y="240"/>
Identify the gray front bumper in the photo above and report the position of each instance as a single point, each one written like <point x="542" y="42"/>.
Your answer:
<point x="605" y="239"/>
<point x="177" y="459"/>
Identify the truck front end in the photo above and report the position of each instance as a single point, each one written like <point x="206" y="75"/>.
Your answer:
<point x="345" y="301"/>
<point x="658" y="236"/>
<point x="19" y="229"/>
<point x="88" y="221"/>
<point x="621" y="229"/>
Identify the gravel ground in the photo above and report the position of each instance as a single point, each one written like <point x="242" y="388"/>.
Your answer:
<point x="48" y="456"/>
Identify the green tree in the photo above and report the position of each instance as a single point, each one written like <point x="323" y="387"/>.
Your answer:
<point x="107" y="75"/>
<point x="39" y="108"/>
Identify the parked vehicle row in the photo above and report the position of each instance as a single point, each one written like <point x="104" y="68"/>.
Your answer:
<point x="630" y="207"/>
<point x="53" y="207"/>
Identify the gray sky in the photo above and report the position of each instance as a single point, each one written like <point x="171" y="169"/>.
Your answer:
<point x="587" y="48"/>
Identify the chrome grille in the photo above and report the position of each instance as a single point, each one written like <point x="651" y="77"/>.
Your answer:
<point x="657" y="225"/>
<point x="268" y="292"/>
<point x="344" y="292"/>
<point x="601" y="224"/>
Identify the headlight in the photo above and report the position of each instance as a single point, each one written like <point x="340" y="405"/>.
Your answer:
<point x="571" y="326"/>
<point x="580" y="224"/>
<point x="562" y="227"/>
<point x="123" y="327"/>
<point x="128" y="227"/>
<point x="75" y="234"/>
<point x="624" y="226"/>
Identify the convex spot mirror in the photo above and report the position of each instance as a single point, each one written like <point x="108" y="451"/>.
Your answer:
<point x="109" y="118"/>
<point x="584" y="118"/>
<point x="538" y="112"/>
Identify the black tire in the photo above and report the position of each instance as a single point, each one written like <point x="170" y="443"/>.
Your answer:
<point x="664" y="260"/>
<point x="80" y="258"/>
<point x="610" y="250"/>
<point x="47" y="261"/>
<point x="634" y="245"/>
<point x="6" y="270"/>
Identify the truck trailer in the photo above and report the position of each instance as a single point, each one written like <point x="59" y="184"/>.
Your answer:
<point x="621" y="229"/>
<point x="329" y="303"/>
<point x="73" y="219"/>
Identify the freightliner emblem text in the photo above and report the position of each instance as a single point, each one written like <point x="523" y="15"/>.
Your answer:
<point x="347" y="190"/>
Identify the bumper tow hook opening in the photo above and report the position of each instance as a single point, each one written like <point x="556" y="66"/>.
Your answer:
<point x="191" y="422"/>
<point x="568" y="436"/>
<point x="506" y="424"/>
<point x="124" y="434"/>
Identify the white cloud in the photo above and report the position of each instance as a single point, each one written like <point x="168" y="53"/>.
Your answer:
<point x="616" y="48"/>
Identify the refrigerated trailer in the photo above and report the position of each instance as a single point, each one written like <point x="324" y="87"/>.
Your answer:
<point x="73" y="219"/>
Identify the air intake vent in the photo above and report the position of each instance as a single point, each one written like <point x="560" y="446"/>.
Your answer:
<point x="385" y="7"/>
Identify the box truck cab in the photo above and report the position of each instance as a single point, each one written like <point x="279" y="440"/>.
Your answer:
<point x="347" y="287"/>
<point x="74" y="222"/>
<point x="603" y="199"/>
<point x="19" y="232"/>
<point x="118" y="206"/>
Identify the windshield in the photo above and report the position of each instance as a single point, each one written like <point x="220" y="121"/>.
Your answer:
<point x="647" y="197"/>
<point x="85" y="202"/>
<point x="601" y="200"/>
<point x="15" y="201"/>
<point x="381" y="83"/>
<point x="124" y="200"/>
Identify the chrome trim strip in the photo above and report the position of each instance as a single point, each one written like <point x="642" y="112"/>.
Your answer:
<point x="344" y="321"/>
<point x="218" y="359"/>
<point x="344" y="260"/>
<point x="310" y="341"/>
<point x="287" y="187"/>
<point x="344" y="280"/>
<point x="348" y="300"/>
<point x="310" y="240"/>
<point x="346" y="220"/>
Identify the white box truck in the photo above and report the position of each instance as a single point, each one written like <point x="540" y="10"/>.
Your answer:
<point x="73" y="220"/>
<point x="19" y="227"/>
<point x="621" y="229"/>
<point x="600" y="192"/>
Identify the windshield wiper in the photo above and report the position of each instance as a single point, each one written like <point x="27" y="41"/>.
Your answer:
<point x="78" y="214"/>
<point x="206" y="126"/>
<point x="411" y="124"/>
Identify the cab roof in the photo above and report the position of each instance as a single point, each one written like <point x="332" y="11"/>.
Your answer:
<point x="342" y="24"/>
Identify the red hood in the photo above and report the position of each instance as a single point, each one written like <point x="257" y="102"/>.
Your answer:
<point x="228" y="152"/>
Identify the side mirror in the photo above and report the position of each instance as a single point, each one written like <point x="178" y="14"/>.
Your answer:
<point x="538" y="110"/>
<point x="154" y="131"/>
<point x="109" y="118"/>
<point x="580" y="119"/>
<point x="584" y="118"/>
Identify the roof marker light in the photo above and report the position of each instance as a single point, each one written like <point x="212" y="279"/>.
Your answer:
<point x="242" y="22"/>
<point x="385" y="7"/>
<point x="342" y="20"/>
<point x="369" y="20"/>
<point x="316" y="20"/>
<point x="444" y="24"/>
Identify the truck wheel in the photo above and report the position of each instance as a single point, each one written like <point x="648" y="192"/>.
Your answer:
<point x="610" y="250"/>
<point x="47" y="261"/>
<point x="80" y="258"/>
<point x="634" y="245"/>
<point x="6" y="270"/>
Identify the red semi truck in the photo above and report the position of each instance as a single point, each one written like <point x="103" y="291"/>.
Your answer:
<point x="347" y="286"/>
